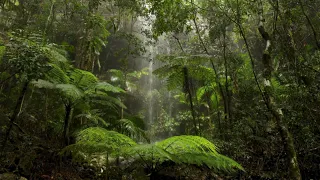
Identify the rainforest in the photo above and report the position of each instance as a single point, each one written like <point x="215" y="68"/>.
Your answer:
<point x="159" y="89"/>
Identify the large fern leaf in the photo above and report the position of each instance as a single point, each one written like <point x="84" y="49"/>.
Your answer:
<point x="57" y="75"/>
<point x="199" y="151"/>
<point x="98" y="140"/>
<point x="187" y="150"/>
<point x="149" y="154"/>
<point x="129" y="128"/>
<point x="188" y="144"/>
<point x="106" y="87"/>
<point x="70" y="91"/>
<point x="82" y="79"/>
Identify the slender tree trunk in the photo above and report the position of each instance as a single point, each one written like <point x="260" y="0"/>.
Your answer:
<point x="16" y="113"/>
<point x="67" y="121"/>
<point x="188" y="91"/>
<point x="227" y="97"/>
<point x="294" y="171"/>
<point x="212" y="64"/>
<point x="49" y="19"/>
<point x="310" y="24"/>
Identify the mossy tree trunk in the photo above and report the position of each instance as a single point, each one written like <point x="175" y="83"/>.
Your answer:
<point x="294" y="171"/>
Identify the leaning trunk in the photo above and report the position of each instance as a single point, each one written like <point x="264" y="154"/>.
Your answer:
<point x="294" y="172"/>
<point x="16" y="113"/>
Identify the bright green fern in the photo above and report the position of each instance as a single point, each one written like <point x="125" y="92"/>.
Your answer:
<point x="98" y="140"/>
<point x="192" y="150"/>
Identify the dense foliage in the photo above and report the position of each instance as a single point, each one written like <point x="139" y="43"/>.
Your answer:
<point x="150" y="89"/>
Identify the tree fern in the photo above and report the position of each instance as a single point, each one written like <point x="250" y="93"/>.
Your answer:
<point x="188" y="144"/>
<point x="173" y="69"/>
<point x="187" y="150"/>
<point x="179" y="149"/>
<point x="99" y="140"/>
<point x="56" y="55"/>
<point x="104" y="99"/>
<point x="149" y="155"/>
<point x="82" y="79"/>
<point x="93" y="116"/>
<point x="70" y="91"/>
<point x="198" y="150"/>
<point x="57" y="75"/>
<point x="211" y="90"/>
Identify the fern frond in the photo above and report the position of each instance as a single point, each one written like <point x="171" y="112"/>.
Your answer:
<point x="179" y="149"/>
<point x="129" y="128"/>
<point x="199" y="151"/>
<point x="104" y="99"/>
<point x="200" y="92"/>
<point x="100" y="135"/>
<point x="98" y="140"/>
<point x="40" y="83"/>
<point x="215" y="99"/>
<point x="201" y="72"/>
<point x="57" y="75"/>
<point x="175" y="81"/>
<point x="188" y="144"/>
<point x="106" y="87"/>
<point x="70" y="91"/>
<point x="184" y="149"/>
<point x="56" y="56"/>
<point x="149" y="153"/>
<point x="167" y="70"/>
<point x="94" y="117"/>
<point x="82" y="79"/>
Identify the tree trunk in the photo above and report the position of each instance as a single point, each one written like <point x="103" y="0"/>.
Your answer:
<point x="188" y="92"/>
<point x="294" y="171"/>
<point x="227" y="101"/>
<point x="67" y="121"/>
<point x="16" y="113"/>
